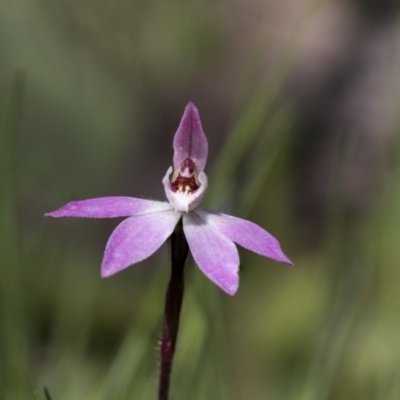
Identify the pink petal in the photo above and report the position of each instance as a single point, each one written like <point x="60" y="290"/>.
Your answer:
<point x="190" y="140"/>
<point x="109" y="207"/>
<point x="137" y="238"/>
<point x="213" y="252"/>
<point x="246" y="234"/>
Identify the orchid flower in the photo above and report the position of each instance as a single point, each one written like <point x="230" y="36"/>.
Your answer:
<point x="211" y="236"/>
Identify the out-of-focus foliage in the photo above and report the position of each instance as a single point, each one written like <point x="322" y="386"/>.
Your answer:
<point x="91" y="95"/>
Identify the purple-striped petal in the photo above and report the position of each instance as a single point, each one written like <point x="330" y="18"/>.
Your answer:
<point x="213" y="252"/>
<point x="246" y="234"/>
<point x="109" y="207"/>
<point x="137" y="238"/>
<point x="190" y="140"/>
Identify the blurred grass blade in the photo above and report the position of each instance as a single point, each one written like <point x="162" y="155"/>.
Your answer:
<point x="214" y="359"/>
<point x="347" y="289"/>
<point x="266" y="153"/>
<point x="136" y="357"/>
<point x="47" y="394"/>
<point x="257" y="110"/>
<point x="15" y="361"/>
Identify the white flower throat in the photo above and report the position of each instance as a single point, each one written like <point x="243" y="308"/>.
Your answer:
<point x="186" y="187"/>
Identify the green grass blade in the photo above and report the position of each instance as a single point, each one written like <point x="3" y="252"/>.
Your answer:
<point x="15" y="360"/>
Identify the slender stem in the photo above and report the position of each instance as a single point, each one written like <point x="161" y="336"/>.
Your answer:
<point x="173" y="305"/>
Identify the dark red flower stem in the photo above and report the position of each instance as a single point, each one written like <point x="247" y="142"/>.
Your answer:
<point x="173" y="305"/>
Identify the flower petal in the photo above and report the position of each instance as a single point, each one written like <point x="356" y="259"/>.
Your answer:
<point x="190" y="140"/>
<point x="137" y="238"/>
<point x="109" y="207"/>
<point x="213" y="252"/>
<point x="246" y="234"/>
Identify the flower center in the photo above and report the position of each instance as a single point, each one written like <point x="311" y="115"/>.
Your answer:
<point x="184" y="180"/>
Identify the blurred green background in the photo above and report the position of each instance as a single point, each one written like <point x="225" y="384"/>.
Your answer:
<point x="299" y="100"/>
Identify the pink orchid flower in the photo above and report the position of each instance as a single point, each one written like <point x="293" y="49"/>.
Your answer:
<point x="210" y="235"/>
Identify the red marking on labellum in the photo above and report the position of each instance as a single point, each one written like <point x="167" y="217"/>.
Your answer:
<point x="182" y="184"/>
<point x="185" y="182"/>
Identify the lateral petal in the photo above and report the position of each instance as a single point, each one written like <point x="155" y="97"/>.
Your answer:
<point x="215" y="254"/>
<point x="137" y="238"/>
<point x="109" y="207"/>
<point x="190" y="140"/>
<point x="246" y="234"/>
